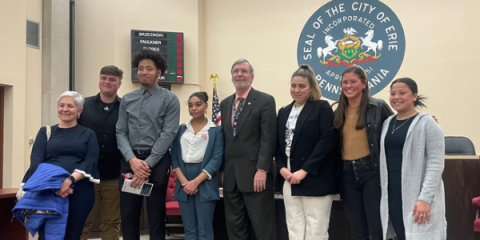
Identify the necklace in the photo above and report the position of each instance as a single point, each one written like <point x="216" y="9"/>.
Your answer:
<point x="396" y="128"/>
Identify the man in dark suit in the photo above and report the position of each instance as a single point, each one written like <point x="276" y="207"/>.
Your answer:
<point x="249" y="125"/>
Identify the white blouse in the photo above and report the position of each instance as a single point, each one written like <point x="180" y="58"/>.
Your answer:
<point x="194" y="145"/>
<point x="290" y="127"/>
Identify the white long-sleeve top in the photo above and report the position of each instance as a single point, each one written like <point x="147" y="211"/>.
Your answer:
<point x="194" y="145"/>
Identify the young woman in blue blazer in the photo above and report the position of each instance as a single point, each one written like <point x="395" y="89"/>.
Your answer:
<point x="197" y="152"/>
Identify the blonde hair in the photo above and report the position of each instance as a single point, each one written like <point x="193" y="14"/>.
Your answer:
<point x="307" y="72"/>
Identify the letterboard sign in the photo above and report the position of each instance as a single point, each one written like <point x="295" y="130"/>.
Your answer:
<point x="170" y="45"/>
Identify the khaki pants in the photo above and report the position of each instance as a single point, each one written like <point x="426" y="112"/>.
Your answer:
<point x="107" y="201"/>
<point x="307" y="218"/>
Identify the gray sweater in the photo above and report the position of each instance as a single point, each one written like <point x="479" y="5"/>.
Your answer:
<point x="422" y="167"/>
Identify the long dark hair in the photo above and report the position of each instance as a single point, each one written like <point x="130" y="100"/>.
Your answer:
<point x="343" y="101"/>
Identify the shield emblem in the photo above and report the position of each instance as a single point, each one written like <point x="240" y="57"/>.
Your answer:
<point x="349" y="52"/>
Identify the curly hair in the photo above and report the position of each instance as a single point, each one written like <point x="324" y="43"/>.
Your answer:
<point x="157" y="58"/>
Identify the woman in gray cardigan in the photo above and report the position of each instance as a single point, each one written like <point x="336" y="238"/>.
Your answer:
<point x="411" y="166"/>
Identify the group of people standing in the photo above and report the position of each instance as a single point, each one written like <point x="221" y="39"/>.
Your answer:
<point x="387" y="167"/>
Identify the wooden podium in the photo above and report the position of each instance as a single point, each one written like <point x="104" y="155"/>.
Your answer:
<point x="10" y="229"/>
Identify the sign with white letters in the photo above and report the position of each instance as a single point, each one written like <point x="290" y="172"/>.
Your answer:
<point x="342" y="33"/>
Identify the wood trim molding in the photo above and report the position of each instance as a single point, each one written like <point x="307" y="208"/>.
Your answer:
<point x="2" y="107"/>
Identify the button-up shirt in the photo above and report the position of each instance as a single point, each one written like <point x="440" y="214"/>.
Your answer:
<point x="244" y="95"/>
<point x="102" y="122"/>
<point x="194" y="145"/>
<point x="148" y="120"/>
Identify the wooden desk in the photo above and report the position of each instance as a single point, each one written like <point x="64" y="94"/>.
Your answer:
<point x="461" y="178"/>
<point x="10" y="230"/>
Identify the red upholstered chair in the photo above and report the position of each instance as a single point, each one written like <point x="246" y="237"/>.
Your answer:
<point x="172" y="206"/>
<point x="476" y="223"/>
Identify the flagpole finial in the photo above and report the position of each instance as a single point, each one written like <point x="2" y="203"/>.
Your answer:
<point x="214" y="77"/>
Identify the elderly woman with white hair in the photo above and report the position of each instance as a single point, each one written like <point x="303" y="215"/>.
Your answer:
<point x="75" y="149"/>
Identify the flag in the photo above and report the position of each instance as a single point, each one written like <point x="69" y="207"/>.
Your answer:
<point x="216" y="115"/>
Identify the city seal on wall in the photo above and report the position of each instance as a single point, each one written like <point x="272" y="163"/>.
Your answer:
<point x="342" y="33"/>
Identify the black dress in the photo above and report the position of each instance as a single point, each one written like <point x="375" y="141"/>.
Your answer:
<point x="394" y="142"/>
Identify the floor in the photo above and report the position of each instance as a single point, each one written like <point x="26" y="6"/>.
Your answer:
<point x="143" y="236"/>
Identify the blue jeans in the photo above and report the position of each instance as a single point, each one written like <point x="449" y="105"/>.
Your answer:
<point x="361" y="198"/>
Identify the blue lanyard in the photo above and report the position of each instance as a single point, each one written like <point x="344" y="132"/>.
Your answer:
<point x="235" y="116"/>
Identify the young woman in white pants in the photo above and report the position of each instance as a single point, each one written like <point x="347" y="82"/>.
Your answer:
<point x="304" y="158"/>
